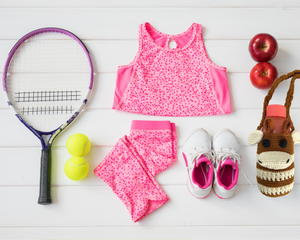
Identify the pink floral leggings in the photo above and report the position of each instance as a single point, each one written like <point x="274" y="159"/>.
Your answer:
<point x="130" y="167"/>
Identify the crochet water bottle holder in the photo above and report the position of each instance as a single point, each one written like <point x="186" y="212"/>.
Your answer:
<point x="275" y="151"/>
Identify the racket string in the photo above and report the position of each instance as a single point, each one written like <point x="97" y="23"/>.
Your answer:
<point x="47" y="110"/>
<point x="47" y="96"/>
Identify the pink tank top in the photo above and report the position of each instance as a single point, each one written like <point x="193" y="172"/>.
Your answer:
<point x="165" y="81"/>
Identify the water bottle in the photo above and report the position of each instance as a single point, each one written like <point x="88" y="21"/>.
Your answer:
<point x="277" y="113"/>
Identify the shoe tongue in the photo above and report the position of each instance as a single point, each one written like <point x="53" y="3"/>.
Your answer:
<point x="229" y="162"/>
<point x="203" y="159"/>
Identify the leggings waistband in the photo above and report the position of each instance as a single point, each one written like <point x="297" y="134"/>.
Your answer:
<point x="152" y="125"/>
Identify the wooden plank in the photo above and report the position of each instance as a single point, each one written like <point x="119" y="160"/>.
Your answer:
<point x="21" y="167"/>
<point x="109" y="54"/>
<point x="98" y="206"/>
<point x="243" y="95"/>
<point x="178" y="232"/>
<point x="107" y="57"/>
<point x="150" y="4"/>
<point x="95" y="24"/>
<point x="105" y="127"/>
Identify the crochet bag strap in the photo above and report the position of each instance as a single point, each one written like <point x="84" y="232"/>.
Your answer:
<point x="289" y="97"/>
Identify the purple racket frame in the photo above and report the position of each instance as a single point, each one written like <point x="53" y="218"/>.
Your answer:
<point x="45" y="175"/>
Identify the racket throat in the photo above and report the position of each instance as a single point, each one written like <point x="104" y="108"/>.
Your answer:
<point x="45" y="139"/>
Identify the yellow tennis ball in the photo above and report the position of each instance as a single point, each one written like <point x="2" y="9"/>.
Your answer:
<point x="76" y="168"/>
<point x="78" y="145"/>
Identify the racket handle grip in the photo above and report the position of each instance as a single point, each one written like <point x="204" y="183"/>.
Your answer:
<point x="45" y="178"/>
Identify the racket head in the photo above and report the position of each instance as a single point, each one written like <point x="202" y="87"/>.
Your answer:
<point x="48" y="78"/>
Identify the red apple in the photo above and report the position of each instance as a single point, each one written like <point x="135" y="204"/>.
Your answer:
<point x="263" y="47"/>
<point x="263" y="75"/>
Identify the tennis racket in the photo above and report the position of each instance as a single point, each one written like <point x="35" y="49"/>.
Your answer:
<point x="48" y="78"/>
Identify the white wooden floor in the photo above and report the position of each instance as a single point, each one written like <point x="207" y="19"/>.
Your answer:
<point x="89" y="209"/>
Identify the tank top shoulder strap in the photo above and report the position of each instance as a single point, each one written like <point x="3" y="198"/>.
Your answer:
<point x="141" y="33"/>
<point x="145" y="40"/>
<point x="202" y="48"/>
<point x="142" y="29"/>
<point x="198" y="31"/>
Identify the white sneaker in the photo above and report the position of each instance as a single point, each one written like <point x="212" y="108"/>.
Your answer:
<point x="227" y="160"/>
<point x="198" y="158"/>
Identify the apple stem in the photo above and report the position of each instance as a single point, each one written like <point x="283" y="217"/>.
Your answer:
<point x="264" y="73"/>
<point x="263" y="47"/>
